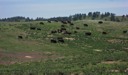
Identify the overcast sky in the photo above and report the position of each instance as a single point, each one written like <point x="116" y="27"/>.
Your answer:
<point x="51" y="8"/>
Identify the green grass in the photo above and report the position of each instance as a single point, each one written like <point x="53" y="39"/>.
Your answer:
<point x="83" y="55"/>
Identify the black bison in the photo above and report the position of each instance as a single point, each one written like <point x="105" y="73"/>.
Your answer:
<point x="104" y="32"/>
<point x="75" y="31"/>
<point x="53" y="31"/>
<point x="49" y="21"/>
<point x="61" y="30"/>
<point x="38" y="28"/>
<point x="53" y="40"/>
<point x="88" y="33"/>
<point x="32" y="28"/>
<point x="67" y="32"/>
<point x="41" y="23"/>
<point x="100" y="22"/>
<point x="55" y="20"/>
<point x="125" y="31"/>
<point x="64" y="22"/>
<point x="86" y="25"/>
<point x="62" y="25"/>
<point x="60" y="39"/>
<point x="71" y="24"/>
<point x="77" y="27"/>
<point x="20" y="37"/>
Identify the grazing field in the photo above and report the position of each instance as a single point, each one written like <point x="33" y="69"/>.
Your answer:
<point x="84" y="47"/>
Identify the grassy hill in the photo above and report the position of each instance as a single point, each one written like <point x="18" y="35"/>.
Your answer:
<point x="28" y="51"/>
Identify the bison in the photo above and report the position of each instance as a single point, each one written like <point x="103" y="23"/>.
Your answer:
<point x="66" y="32"/>
<point x="49" y="21"/>
<point x="41" y="23"/>
<point x="38" y="28"/>
<point x="62" y="25"/>
<point x="104" y="32"/>
<point x="60" y="39"/>
<point x="71" y="24"/>
<point x="53" y="31"/>
<point x="125" y="31"/>
<point x="88" y="33"/>
<point x="86" y="25"/>
<point x="77" y="27"/>
<point x="56" y="20"/>
<point x="64" y="22"/>
<point x="32" y="28"/>
<point x="20" y="37"/>
<point x="75" y="31"/>
<point x="100" y="22"/>
<point x="53" y="40"/>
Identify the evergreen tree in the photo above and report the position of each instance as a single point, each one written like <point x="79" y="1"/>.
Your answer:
<point x="90" y="14"/>
<point x="112" y="18"/>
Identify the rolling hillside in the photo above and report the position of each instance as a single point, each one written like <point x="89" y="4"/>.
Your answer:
<point x="83" y="47"/>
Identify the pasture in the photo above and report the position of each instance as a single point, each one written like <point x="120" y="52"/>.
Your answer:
<point x="83" y="47"/>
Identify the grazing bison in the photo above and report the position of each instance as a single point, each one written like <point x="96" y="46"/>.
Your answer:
<point x="104" y="32"/>
<point x="66" y="32"/>
<point x="53" y="31"/>
<point x="125" y="31"/>
<point x="41" y="23"/>
<point x="75" y="31"/>
<point x="86" y="25"/>
<point x="56" y="20"/>
<point x="60" y="39"/>
<point x="88" y="33"/>
<point x="77" y="27"/>
<point x="53" y="40"/>
<point x="20" y="37"/>
<point x="61" y="30"/>
<point x="38" y="28"/>
<point x="32" y="28"/>
<point x="62" y="25"/>
<point x="64" y="22"/>
<point x="100" y="22"/>
<point x="49" y="21"/>
<point x="71" y="24"/>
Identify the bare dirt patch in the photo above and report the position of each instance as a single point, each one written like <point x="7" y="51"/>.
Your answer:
<point x="110" y="62"/>
<point x="20" y="57"/>
<point x="114" y="41"/>
<point x="97" y="50"/>
<point x="70" y="39"/>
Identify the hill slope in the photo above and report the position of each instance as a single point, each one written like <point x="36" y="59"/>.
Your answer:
<point x="84" y="47"/>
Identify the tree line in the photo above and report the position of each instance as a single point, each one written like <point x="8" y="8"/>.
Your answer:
<point x="107" y="16"/>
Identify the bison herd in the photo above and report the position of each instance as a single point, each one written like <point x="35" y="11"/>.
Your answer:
<point x="64" y="31"/>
